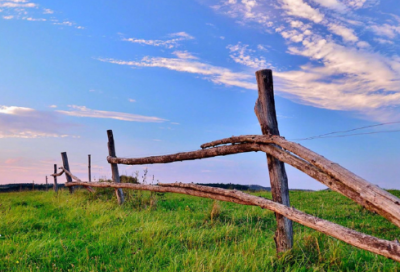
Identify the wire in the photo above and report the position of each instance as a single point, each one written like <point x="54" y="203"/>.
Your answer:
<point x="326" y="135"/>
<point x="365" y="133"/>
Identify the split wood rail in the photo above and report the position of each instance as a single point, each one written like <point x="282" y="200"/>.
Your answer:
<point x="279" y="151"/>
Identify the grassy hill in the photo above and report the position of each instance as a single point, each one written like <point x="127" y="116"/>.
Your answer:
<point x="41" y="231"/>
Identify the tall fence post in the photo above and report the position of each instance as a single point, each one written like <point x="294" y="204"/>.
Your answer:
<point x="55" y="186"/>
<point x="266" y="114"/>
<point x="47" y="184"/>
<point x="89" y="168"/>
<point x="114" y="166"/>
<point x="66" y="166"/>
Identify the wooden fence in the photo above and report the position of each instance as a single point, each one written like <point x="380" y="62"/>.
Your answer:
<point x="278" y="151"/>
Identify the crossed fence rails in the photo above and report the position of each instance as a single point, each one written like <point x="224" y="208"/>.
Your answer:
<point x="279" y="151"/>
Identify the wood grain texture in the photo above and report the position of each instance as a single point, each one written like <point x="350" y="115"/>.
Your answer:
<point x="64" y="158"/>
<point x="383" y="202"/>
<point x="266" y="114"/>
<point x="55" y="186"/>
<point x="114" y="167"/>
<point x="89" y="168"/>
<point x="373" y="244"/>
<point x="76" y="179"/>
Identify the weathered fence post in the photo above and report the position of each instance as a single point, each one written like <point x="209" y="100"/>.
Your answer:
<point x="47" y="184"/>
<point x="66" y="166"/>
<point x="114" y="166"/>
<point x="89" y="168"/>
<point x="55" y="186"/>
<point x="266" y="114"/>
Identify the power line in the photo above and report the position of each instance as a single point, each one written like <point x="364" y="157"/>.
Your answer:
<point x="327" y="135"/>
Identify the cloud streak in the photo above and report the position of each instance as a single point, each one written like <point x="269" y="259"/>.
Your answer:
<point x="28" y="11"/>
<point x="341" y="71"/>
<point x="82" y="111"/>
<point x="171" y="43"/>
<point x="22" y="122"/>
<point x="216" y="74"/>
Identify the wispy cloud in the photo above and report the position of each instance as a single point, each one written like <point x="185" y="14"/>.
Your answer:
<point x="48" y="11"/>
<point x="240" y="53"/>
<point x="298" y="8"/>
<point x="82" y="111"/>
<point x="17" y="5"/>
<point x="216" y="74"/>
<point x="184" y="55"/>
<point x="170" y="43"/>
<point x="29" y="11"/>
<point x="22" y="122"/>
<point x="341" y="72"/>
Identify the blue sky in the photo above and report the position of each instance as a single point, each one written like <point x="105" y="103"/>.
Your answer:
<point x="167" y="76"/>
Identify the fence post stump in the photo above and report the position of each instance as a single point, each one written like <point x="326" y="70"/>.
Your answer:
<point x="89" y="168"/>
<point x="66" y="166"/>
<point x="266" y="114"/>
<point x="55" y="186"/>
<point x="114" y="167"/>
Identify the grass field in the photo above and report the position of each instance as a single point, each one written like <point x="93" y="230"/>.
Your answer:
<point x="41" y="231"/>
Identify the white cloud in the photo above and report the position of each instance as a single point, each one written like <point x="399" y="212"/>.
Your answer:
<point x="298" y="8"/>
<point x="348" y="79"/>
<point x="387" y="30"/>
<point x="383" y="41"/>
<point x="17" y="5"/>
<point x="218" y="75"/>
<point x="244" y="10"/>
<point x="332" y="4"/>
<point x="21" y="122"/>
<point x="25" y="10"/>
<point x="355" y="3"/>
<point x="64" y="23"/>
<point x="48" y="11"/>
<point x="340" y="71"/>
<point x="171" y="43"/>
<point x="262" y="48"/>
<point x="82" y="111"/>
<point x="241" y="54"/>
<point x="131" y="100"/>
<point x="31" y="135"/>
<point x="14" y="110"/>
<point x="346" y="33"/>
<point x="53" y="106"/>
<point x="184" y="55"/>
<point x="34" y="19"/>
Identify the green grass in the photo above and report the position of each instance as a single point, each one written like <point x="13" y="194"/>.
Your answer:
<point x="41" y="231"/>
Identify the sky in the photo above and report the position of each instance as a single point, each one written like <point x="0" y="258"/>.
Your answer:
<point x="168" y="76"/>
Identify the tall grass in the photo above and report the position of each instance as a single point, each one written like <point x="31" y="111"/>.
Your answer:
<point x="42" y="231"/>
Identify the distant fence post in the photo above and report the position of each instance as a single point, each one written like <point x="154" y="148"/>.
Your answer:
<point x="55" y="186"/>
<point x="114" y="166"/>
<point x="66" y="166"/>
<point x="47" y="184"/>
<point x="266" y="114"/>
<point x="89" y="168"/>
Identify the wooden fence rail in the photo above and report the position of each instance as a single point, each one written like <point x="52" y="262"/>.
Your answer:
<point x="379" y="246"/>
<point x="279" y="151"/>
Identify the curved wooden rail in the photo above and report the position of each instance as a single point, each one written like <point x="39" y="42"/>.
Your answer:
<point x="379" y="246"/>
<point x="330" y="174"/>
